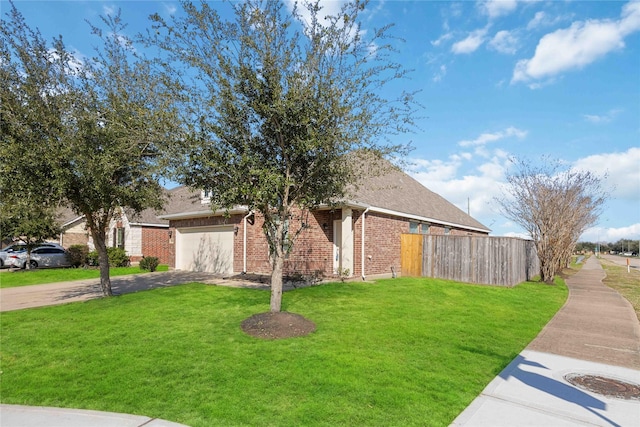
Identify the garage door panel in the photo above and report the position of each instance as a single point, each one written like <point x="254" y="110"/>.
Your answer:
<point x="205" y="249"/>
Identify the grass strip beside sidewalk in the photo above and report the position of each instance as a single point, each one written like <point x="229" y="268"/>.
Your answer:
<point x="625" y="281"/>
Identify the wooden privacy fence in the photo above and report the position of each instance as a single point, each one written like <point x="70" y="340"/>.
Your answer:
<point x="504" y="261"/>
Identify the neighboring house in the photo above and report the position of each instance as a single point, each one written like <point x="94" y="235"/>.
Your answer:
<point x="359" y="238"/>
<point x="142" y="234"/>
<point x="73" y="229"/>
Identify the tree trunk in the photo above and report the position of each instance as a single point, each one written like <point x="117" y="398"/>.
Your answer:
<point x="99" y="240"/>
<point x="547" y="272"/>
<point x="276" y="283"/>
<point x="27" y="264"/>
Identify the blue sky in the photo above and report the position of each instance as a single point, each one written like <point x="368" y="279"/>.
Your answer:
<point x="497" y="79"/>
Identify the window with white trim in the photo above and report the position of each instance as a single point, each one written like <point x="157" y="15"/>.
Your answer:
<point x="205" y="196"/>
<point x="118" y="238"/>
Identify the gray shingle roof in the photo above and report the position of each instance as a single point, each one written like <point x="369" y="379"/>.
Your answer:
<point x="393" y="190"/>
<point x="184" y="199"/>
<point x="177" y="199"/>
<point x="397" y="191"/>
<point x="65" y="215"/>
<point x="147" y="216"/>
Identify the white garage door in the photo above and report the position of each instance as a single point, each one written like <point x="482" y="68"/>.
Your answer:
<point x="207" y="249"/>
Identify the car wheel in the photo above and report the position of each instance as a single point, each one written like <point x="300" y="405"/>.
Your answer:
<point x="33" y="264"/>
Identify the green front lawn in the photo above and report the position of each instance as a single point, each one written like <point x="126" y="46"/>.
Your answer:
<point x="395" y="353"/>
<point x="13" y="278"/>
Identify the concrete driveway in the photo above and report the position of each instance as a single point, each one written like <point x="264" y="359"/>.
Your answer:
<point x="82" y="290"/>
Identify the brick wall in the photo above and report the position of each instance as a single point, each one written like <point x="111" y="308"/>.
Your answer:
<point x="155" y="242"/>
<point x="257" y="248"/>
<point x="313" y="250"/>
<point x="311" y="253"/>
<point x="70" y="239"/>
<point x="382" y="243"/>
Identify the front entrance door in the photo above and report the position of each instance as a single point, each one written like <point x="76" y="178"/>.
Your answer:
<point x="337" y="243"/>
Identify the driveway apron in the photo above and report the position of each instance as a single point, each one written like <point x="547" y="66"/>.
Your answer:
<point x="81" y="290"/>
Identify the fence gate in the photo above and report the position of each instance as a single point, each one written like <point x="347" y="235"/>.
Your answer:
<point x="504" y="261"/>
<point x="411" y="255"/>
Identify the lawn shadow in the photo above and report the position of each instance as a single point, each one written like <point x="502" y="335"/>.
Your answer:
<point x="134" y="283"/>
<point x="147" y="281"/>
<point x="80" y="292"/>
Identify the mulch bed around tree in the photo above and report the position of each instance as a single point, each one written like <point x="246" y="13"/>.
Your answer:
<point x="277" y="325"/>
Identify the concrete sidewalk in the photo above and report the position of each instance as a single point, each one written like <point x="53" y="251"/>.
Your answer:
<point x="596" y="335"/>
<point x="39" y="416"/>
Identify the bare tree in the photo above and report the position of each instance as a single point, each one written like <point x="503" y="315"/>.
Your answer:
<point x="555" y="206"/>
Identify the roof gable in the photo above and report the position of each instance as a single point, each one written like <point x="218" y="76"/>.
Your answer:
<point x="395" y="190"/>
<point x="391" y="190"/>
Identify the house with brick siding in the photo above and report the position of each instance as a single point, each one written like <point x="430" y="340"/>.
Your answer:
<point x="142" y="234"/>
<point x="358" y="238"/>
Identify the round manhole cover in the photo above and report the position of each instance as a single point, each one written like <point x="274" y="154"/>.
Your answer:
<point x="605" y="386"/>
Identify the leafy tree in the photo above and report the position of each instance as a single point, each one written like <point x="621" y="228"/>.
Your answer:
<point x="94" y="124"/>
<point x="625" y="245"/>
<point x="586" y="246"/>
<point x="276" y="102"/>
<point x="30" y="223"/>
<point x="30" y="110"/>
<point x="555" y="206"/>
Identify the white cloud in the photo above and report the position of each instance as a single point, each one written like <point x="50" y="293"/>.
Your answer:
<point x="495" y="169"/>
<point x="475" y="189"/>
<point x="109" y="10"/>
<point x="476" y="192"/>
<point x="577" y="46"/>
<point x="75" y="61"/>
<point x="537" y="21"/>
<point x="623" y="173"/>
<point x="328" y="8"/>
<point x="435" y="170"/>
<point x="470" y="44"/>
<point x="378" y="7"/>
<point x="468" y="182"/>
<point x="601" y="119"/>
<point x="442" y="71"/>
<point x="485" y="138"/>
<point x="519" y="235"/>
<point x="170" y="8"/>
<point x="441" y="39"/>
<point x="542" y="19"/>
<point x="456" y="9"/>
<point x="331" y="8"/>
<point x="504" y="42"/>
<point x="611" y="234"/>
<point x="496" y="8"/>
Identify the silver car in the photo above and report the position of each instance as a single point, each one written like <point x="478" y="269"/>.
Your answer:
<point x="17" y="248"/>
<point x="43" y="256"/>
